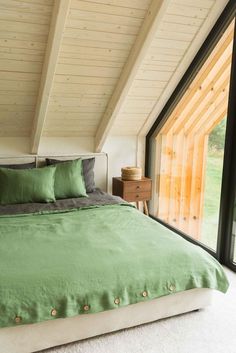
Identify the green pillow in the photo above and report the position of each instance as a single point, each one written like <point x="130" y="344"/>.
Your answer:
<point x="27" y="185"/>
<point x="69" y="180"/>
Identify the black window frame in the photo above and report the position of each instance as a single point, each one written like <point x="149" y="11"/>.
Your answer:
<point x="225" y="240"/>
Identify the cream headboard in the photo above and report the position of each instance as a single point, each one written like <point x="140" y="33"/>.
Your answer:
<point x="100" y="169"/>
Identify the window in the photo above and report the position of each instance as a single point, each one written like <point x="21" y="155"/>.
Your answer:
<point x="191" y="150"/>
<point x="186" y="146"/>
<point x="233" y="241"/>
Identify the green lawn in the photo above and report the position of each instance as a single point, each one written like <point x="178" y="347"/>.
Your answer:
<point x="212" y="198"/>
<point x="212" y="191"/>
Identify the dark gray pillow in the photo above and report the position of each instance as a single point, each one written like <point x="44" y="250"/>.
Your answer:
<point x="19" y="166"/>
<point x="88" y="171"/>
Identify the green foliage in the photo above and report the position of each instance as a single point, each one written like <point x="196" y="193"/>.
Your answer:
<point x="217" y="136"/>
<point x="214" y="166"/>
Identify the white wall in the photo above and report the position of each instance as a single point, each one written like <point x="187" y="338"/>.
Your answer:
<point x="122" y="150"/>
<point x="66" y="145"/>
<point x="14" y="146"/>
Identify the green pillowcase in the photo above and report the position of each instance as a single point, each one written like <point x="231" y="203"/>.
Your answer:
<point x="27" y="185"/>
<point x="69" y="181"/>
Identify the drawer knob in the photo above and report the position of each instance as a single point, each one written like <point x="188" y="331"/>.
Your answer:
<point x="137" y="187"/>
<point x="137" y="195"/>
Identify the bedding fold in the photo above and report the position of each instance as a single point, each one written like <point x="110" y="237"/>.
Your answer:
<point x="93" y="258"/>
<point x="96" y="198"/>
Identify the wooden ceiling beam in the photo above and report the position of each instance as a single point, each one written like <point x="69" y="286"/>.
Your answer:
<point x="136" y="56"/>
<point x="59" y="15"/>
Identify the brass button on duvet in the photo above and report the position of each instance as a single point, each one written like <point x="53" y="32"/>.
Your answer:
<point x="53" y="312"/>
<point x="86" y="307"/>
<point x="145" y="293"/>
<point x="117" y="301"/>
<point x="17" y="319"/>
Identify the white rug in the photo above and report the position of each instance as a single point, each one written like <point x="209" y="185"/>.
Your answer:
<point x="212" y="330"/>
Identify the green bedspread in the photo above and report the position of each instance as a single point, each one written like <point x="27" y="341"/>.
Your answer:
<point x="94" y="259"/>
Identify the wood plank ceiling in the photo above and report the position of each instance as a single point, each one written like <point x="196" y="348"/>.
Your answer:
<point x="179" y="26"/>
<point x="24" y="27"/>
<point x="96" y="44"/>
<point x="98" y="40"/>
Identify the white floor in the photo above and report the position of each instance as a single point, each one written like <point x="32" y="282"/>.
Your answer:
<point x="212" y="330"/>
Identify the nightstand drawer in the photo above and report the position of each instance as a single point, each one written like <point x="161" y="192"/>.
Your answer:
<point x="137" y="186"/>
<point x="137" y="196"/>
<point x="133" y="191"/>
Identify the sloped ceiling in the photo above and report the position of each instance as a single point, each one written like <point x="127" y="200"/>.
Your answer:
<point x="90" y="47"/>
<point x="24" y="28"/>
<point x="96" y="43"/>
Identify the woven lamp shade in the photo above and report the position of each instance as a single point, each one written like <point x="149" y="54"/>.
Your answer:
<point x="131" y="173"/>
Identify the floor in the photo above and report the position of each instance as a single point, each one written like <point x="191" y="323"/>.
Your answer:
<point x="212" y="330"/>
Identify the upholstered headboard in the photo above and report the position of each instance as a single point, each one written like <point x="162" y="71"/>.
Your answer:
<point x="100" y="169"/>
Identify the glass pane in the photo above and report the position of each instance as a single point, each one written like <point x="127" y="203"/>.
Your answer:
<point x="211" y="202"/>
<point x="233" y="258"/>
<point x="190" y="150"/>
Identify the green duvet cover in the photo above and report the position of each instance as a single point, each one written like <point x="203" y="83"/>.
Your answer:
<point x="94" y="259"/>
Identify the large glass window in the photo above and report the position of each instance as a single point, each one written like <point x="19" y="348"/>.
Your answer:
<point x="189" y="150"/>
<point x="234" y="256"/>
<point x="233" y="240"/>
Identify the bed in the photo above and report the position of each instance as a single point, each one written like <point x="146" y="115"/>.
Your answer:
<point x="81" y="267"/>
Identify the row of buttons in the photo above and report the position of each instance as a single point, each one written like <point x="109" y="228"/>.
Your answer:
<point x="86" y="307"/>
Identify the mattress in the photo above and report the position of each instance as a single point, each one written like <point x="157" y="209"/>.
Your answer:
<point x="35" y="337"/>
<point x="87" y="256"/>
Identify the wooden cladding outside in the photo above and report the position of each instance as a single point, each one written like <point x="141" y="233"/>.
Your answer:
<point x="182" y="143"/>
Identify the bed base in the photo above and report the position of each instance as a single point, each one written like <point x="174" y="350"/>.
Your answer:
<point x="35" y="337"/>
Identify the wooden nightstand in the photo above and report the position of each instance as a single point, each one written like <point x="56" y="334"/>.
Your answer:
<point x="133" y="191"/>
